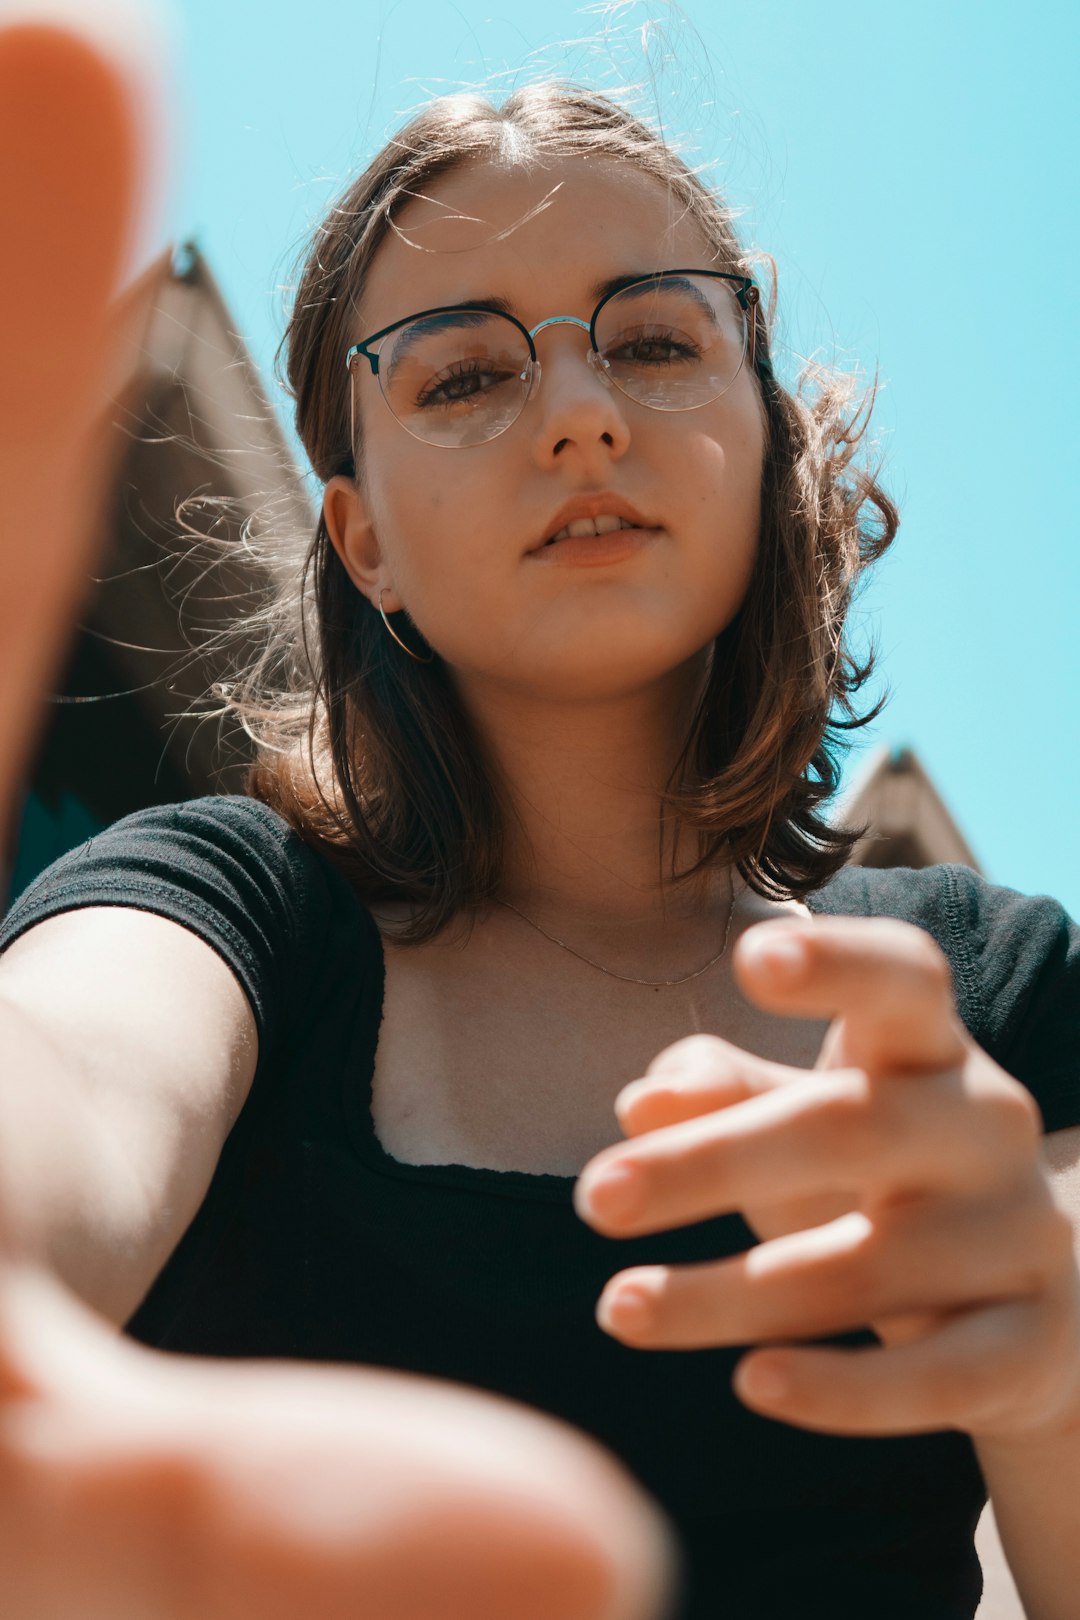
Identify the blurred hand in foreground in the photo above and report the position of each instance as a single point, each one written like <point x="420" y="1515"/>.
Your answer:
<point x="133" y="1482"/>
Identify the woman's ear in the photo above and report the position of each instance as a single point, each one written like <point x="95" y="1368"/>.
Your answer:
<point x="352" y="535"/>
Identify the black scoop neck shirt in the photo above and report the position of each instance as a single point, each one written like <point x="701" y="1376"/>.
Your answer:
<point x="313" y="1243"/>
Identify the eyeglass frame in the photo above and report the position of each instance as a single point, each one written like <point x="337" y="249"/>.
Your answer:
<point x="747" y="293"/>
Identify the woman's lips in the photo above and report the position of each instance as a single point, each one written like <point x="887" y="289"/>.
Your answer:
<point x="594" y="550"/>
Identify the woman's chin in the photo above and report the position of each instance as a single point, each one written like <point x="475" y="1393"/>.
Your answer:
<point x="600" y="669"/>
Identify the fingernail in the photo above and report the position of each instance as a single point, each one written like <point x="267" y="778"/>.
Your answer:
<point x="762" y="1380"/>
<point x="615" y="1192"/>
<point x="626" y="1309"/>
<point x="632" y="1093"/>
<point x="783" y="955"/>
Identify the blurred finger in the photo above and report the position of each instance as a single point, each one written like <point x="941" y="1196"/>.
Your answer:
<point x="972" y="1372"/>
<point x="922" y="1259"/>
<point x="830" y="1133"/>
<point x="887" y="981"/>
<point x="695" y="1076"/>
<point x="69" y="158"/>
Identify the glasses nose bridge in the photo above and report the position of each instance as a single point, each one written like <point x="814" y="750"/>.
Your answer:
<point x="596" y="363"/>
<point x="561" y="320"/>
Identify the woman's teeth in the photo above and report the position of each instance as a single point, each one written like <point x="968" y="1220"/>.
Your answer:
<point x="605" y="524"/>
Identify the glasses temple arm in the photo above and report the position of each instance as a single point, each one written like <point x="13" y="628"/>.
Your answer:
<point x="753" y="301"/>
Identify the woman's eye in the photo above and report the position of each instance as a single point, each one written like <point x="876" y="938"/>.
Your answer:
<point x="459" y="384"/>
<point x="652" y="349"/>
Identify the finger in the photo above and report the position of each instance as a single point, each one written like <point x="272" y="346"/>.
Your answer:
<point x="887" y="981"/>
<point x="973" y="1372"/>
<point x="695" y="1076"/>
<point x="830" y="1133"/>
<point x="843" y="1276"/>
<point x="68" y="166"/>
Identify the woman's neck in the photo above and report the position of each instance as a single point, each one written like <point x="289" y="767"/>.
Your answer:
<point x="583" y="781"/>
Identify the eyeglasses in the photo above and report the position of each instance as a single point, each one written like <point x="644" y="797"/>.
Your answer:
<point x="462" y="374"/>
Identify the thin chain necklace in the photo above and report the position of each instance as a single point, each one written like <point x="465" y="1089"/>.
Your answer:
<point x="654" y="984"/>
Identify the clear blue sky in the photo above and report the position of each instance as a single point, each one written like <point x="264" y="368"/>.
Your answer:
<point x="911" y="167"/>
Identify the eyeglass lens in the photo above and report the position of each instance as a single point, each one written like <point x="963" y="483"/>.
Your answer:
<point x="462" y="377"/>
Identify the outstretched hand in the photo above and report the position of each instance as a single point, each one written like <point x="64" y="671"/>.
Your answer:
<point x="137" y="1483"/>
<point x="898" y="1186"/>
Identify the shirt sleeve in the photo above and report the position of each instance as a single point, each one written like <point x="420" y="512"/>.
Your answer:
<point x="228" y="868"/>
<point x="1023" y="966"/>
<point x="1015" y="961"/>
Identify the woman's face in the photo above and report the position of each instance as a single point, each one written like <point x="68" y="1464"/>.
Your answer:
<point x="451" y="534"/>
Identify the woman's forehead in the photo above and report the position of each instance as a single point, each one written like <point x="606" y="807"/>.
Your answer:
<point x="547" y="232"/>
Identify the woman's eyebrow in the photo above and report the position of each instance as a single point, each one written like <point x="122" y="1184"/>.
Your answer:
<point x="598" y="291"/>
<point x="614" y="284"/>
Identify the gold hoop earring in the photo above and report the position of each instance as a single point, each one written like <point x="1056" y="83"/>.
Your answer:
<point x="420" y="659"/>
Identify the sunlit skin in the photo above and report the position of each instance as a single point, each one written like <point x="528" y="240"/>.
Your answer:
<point x="901" y="1186"/>
<point x="577" y="677"/>
<point x="448" y="530"/>
<point x="951" y="1241"/>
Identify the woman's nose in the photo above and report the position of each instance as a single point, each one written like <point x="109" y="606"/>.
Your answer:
<point x="577" y="410"/>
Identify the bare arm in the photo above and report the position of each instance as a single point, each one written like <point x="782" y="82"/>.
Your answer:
<point x="128" y="1051"/>
<point x="132" y="1482"/>
<point x="1035" y="1484"/>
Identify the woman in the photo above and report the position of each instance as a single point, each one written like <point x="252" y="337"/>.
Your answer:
<point x="579" y="589"/>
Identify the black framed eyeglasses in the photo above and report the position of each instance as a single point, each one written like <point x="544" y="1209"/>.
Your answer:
<point x="461" y="374"/>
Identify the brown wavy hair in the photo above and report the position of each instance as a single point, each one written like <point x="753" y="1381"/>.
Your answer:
<point x="370" y="754"/>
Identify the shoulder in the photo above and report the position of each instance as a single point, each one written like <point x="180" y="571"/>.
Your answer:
<point x="220" y="850"/>
<point x="920" y="895"/>
<point x="232" y="872"/>
<point x="228" y="868"/>
<point x="1015" y="961"/>
<point x="978" y="924"/>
